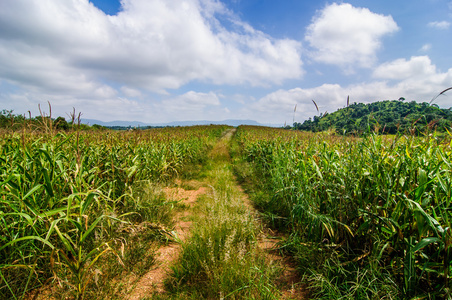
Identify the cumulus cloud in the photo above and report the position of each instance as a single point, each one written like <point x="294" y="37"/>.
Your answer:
<point x="439" y="25"/>
<point x="191" y="106"/>
<point x="130" y="92"/>
<point x="418" y="78"/>
<point x="414" y="79"/>
<point x="191" y="101"/>
<point x="417" y="66"/>
<point x="344" y="35"/>
<point x="279" y="106"/>
<point x="108" y="109"/>
<point x="151" y="44"/>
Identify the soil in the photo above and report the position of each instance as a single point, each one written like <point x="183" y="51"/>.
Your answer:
<point x="153" y="281"/>
<point x="289" y="282"/>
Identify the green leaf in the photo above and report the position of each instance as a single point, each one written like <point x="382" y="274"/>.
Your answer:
<point x="28" y="238"/>
<point x="317" y="169"/>
<point x="426" y="241"/>
<point x="48" y="183"/>
<point x="93" y="252"/>
<point x="408" y="268"/>
<point x="434" y="224"/>
<point x="91" y="228"/>
<point x="27" y="217"/>
<point x="32" y="191"/>
<point x="444" y="186"/>
<point x="88" y="201"/>
<point x="46" y="154"/>
<point x="54" y="211"/>
<point x="65" y="241"/>
<point x="30" y="207"/>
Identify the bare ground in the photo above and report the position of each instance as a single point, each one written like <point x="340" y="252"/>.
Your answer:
<point x="289" y="282"/>
<point x="153" y="281"/>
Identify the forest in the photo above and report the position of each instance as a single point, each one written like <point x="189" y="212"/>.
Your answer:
<point x="389" y="117"/>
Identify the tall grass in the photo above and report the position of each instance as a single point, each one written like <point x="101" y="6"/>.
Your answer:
<point x="222" y="260"/>
<point x="66" y="198"/>
<point x="373" y="214"/>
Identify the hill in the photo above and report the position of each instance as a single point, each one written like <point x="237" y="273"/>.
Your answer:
<point x="389" y="116"/>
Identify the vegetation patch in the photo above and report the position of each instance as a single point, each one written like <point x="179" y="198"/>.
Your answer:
<point x="222" y="258"/>
<point x="368" y="217"/>
<point x="389" y="117"/>
<point x="72" y="203"/>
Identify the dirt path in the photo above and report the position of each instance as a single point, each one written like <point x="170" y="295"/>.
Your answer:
<point x="289" y="282"/>
<point x="152" y="283"/>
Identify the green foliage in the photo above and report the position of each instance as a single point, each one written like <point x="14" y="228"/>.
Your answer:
<point x="11" y="121"/>
<point x="383" y="117"/>
<point x="60" y="123"/>
<point x="221" y="260"/>
<point x="365" y="215"/>
<point x="65" y="199"/>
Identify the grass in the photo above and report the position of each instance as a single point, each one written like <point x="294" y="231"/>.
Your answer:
<point x="221" y="260"/>
<point x="71" y="200"/>
<point x="366" y="218"/>
<point x="372" y="213"/>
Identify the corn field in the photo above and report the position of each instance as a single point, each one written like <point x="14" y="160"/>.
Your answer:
<point x="65" y="197"/>
<point x="368" y="218"/>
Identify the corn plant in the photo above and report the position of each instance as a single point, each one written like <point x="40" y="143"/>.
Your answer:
<point x="64" y="196"/>
<point x="377" y="205"/>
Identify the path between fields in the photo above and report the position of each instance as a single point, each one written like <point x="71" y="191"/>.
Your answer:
<point x="153" y="282"/>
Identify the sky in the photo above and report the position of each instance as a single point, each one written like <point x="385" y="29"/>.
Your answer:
<point x="186" y="60"/>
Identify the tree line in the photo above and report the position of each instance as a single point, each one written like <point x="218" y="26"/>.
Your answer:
<point x="9" y="120"/>
<point x="389" y="117"/>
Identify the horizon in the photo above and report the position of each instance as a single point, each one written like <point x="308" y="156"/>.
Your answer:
<point x="125" y="123"/>
<point x="161" y="61"/>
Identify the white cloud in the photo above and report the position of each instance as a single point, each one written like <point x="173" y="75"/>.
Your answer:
<point x="426" y="48"/>
<point x="417" y="66"/>
<point x="108" y="109"/>
<point x="70" y="46"/>
<point x="191" y="102"/>
<point x="194" y="106"/>
<point x="279" y="106"/>
<point x="129" y="92"/>
<point x="439" y="24"/>
<point x="344" y="35"/>
<point x="415" y="79"/>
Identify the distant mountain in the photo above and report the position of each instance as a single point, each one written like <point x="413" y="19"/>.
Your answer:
<point x="114" y="123"/>
<point x="225" y="122"/>
<point x="176" y="123"/>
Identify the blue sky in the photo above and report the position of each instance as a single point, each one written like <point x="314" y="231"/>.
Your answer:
<point x="173" y="60"/>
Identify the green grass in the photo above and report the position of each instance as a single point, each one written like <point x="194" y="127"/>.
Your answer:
<point x="366" y="218"/>
<point x="372" y="213"/>
<point x="70" y="202"/>
<point x="222" y="259"/>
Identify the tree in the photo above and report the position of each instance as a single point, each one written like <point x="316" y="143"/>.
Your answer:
<point x="60" y="123"/>
<point x="389" y="116"/>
